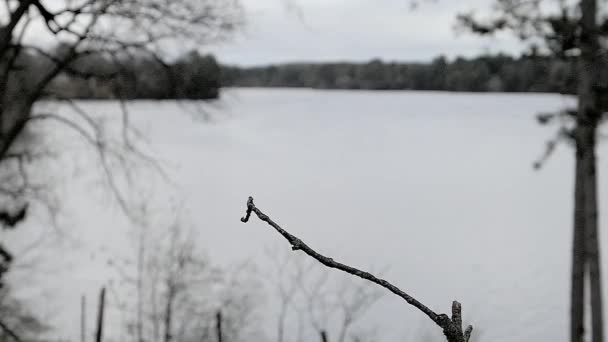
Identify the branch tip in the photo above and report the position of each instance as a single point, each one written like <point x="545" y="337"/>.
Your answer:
<point x="467" y="333"/>
<point x="457" y="314"/>
<point x="250" y="207"/>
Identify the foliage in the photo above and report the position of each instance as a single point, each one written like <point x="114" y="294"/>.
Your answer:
<point x="528" y="73"/>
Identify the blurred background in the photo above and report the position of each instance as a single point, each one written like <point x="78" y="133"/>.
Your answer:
<point x="453" y="148"/>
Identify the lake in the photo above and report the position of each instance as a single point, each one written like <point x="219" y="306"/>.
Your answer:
<point x="437" y="186"/>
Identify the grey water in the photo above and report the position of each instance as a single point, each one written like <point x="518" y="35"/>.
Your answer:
<point x="438" y="187"/>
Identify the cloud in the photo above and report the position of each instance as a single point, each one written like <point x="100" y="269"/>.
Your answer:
<point x="329" y="30"/>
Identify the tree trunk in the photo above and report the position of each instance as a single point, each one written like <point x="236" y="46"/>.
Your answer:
<point x="155" y="309"/>
<point x="343" y="332"/>
<point x="169" y="313"/>
<point x="218" y="326"/>
<point x="100" y="313"/>
<point x="577" y="294"/>
<point x="282" y="319"/>
<point x="593" y="250"/>
<point x="140" y="289"/>
<point x="323" y="336"/>
<point x="588" y="118"/>
<point x="83" y="321"/>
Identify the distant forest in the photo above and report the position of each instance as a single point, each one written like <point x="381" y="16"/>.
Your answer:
<point x="496" y="73"/>
<point x="197" y="76"/>
<point x="134" y="76"/>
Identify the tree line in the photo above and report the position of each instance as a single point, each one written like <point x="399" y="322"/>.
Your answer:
<point x="530" y="72"/>
<point x="137" y="75"/>
<point x="199" y="76"/>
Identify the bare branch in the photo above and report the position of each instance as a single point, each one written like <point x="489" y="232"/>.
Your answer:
<point x="452" y="328"/>
<point x="9" y="220"/>
<point x="564" y="133"/>
<point x="297" y="244"/>
<point x="9" y="332"/>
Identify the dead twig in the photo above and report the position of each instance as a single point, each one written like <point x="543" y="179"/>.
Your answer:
<point x="452" y="327"/>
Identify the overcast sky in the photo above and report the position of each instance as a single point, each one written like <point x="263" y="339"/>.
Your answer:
<point x="358" y="30"/>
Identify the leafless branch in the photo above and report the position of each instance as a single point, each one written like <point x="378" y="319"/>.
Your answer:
<point x="452" y="327"/>
<point x="9" y="219"/>
<point x="564" y="133"/>
<point x="9" y="332"/>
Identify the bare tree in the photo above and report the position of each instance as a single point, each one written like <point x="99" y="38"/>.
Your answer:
<point x="76" y="29"/>
<point x="82" y="28"/>
<point x="167" y="269"/>
<point x="354" y="301"/>
<point x="183" y="273"/>
<point x="452" y="327"/>
<point x="286" y="287"/>
<point x="314" y="299"/>
<point x="570" y="30"/>
<point x="239" y="297"/>
<point x="177" y="291"/>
